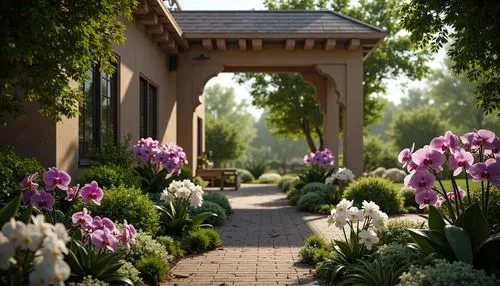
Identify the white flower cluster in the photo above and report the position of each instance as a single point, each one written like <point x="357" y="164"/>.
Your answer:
<point x="184" y="190"/>
<point x="342" y="175"/>
<point x="47" y="241"/>
<point x="369" y="215"/>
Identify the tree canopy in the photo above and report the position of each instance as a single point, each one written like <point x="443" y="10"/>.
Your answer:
<point x="45" y="44"/>
<point x="472" y="30"/>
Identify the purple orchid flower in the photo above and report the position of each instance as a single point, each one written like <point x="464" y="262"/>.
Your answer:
<point x="427" y="157"/>
<point x="72" y="193"/>
<point x="127" y="235"/>
<point x="448" y="142"/>
<point x="27" y="196"/>
<point x="54" y="178"/>
<point x="404" y="156"/>
<point x="28" y="183"/>
<point x="460" y="160"/>
<point x="82" y="218"/>
<point x="104" y="239"/>
<point x="102" y="223"/>
<point x="421" y="180"/>
<point x="92" y="192"/>
<point x="426" y="197"/>
<point x="43" y="200"/>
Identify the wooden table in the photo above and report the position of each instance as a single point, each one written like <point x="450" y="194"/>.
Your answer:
<point x="220" y="173"/>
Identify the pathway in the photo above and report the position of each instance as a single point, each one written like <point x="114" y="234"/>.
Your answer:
<point x="261" y="243"/>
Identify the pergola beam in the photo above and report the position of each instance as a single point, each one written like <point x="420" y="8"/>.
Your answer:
<point x="257" y="44"/>
<point x="242" y="43"/>
<point x="221" y="44"/>
<point x="308" y="44"/>
<point x="207" y="44"/>
<point x="353" y="44"/>
<point x="290" y="44"/>
<point x="156" y="29"/>
<point x="330" y="44"/>
<point x="161" y="37"/>
<point x="149" y="19"/>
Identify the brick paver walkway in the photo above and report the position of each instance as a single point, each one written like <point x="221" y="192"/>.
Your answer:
<point x="261" y="243"/>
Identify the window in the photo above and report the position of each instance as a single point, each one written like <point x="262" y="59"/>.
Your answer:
<point x="199" y="140"/>
<point x="148" y="106"/>
<point x="99" y="112"/>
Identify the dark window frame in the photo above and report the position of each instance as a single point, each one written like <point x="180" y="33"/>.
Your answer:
<point x="148" y="108"/>
<point x="85" y="158"/>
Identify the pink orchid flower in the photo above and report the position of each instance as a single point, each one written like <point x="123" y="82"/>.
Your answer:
<point x="92" y="192"/>
<point x="104" y="239"/>
<point x="428" y="158"/>
<point x="421" y="180"/>
<point x="43" y="200"/>
<point x="82" y="218"/>
<point x="460" y="160"/>
<point x="426" y="197"/>
<point x="128" y="234"/>
<point x="54" y="178"/>
<point x="404" y="156"/>
<point x="28" y="183"/>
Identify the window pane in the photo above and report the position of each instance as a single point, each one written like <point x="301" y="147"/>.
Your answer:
<point x="86" y="120"/>
<point x="143" y="97"/>
<point x="152" y="116"/>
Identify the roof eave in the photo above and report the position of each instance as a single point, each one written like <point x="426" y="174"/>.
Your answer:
<point x="176" y="30"/>
<point x="270" y="35"/>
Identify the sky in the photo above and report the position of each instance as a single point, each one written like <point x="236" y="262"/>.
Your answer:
<point x="396" y="88"/>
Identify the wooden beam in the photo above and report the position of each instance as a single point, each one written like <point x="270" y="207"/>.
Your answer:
<point x="257" y="44"/>
<point x="290" y="44"/>
<point x="207" y="44"/>
<point x="242" y="43"/>
<point x="308" y="44"/>
<point x="161" y="37"/>
<point x="353" y="44"/>
<point x="168" y="46"/>
<point x="157" y="29"/>
<point x="142" y="8"/>
<point x="149" y="19"/>
<point x="221" y="44"/>
<point x="330" y="44"/>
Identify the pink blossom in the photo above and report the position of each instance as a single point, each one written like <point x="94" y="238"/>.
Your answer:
<point x="404" y="156"/>
<point x="104" y="239"/>
<point x="102" y="223"/>
<point x="72" y="193"/>
<point x="92" y="192"/>
<point x="145" y="149"/>
<point x="171" y="157"/>
<point x="440" y="201"/>
<point x="28" y="183"/>
<point x="411" y="167"/>
<point x="473" y="140"/>
<point x="425" y="197"/>
<point x="451" y="195"/>
<point x="427" y="157"/>
<point x="128" y="234"/>
<point x="322" y="158"/>
<point x="82" y="218"/>
<point x="43" y="200"/>
<point x="27" y="196"/>
<point x="460" y="160"/>
<point x="54" y="178"/>
<point x="493" y="148"/>
<point x="422" y="180"/>
<point x="448" y="142"/>
<point x="489" y="170"/>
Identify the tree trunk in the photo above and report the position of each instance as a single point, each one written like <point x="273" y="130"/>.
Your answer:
<point x="307" y="133"/>
<point x="320" y="136"/>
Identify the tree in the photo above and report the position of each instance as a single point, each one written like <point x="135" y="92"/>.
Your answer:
<point x="417" y="126"/>
<point x="415" y="98"/>
<point x="44" y="44"/>
<point x="229" y="124"/>
<point x="472" y="28"/>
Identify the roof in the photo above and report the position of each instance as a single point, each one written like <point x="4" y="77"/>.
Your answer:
<point x="270" y="22"/>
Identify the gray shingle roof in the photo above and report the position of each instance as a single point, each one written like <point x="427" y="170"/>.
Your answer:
<point x="291" y="21"/>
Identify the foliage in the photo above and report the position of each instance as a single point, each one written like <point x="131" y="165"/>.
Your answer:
<point x="397" y="253"/>
<point x="114" y="153"/>
<point x="109" y="176"/>
<point x="409" y="197"/>
<point x="210" y="207"/>
<point x="377" y="153"/>
<point x="13" y="169"/>
<point x="152" y="269"/>
<point x="146" y="246"/>
<point x="418" y="126"/>
<point x="293" y="195"/>
<point x="381" y="190"/>
<point x="314" y="174"/>
<point x="284" y="179"/>
<point x="172" y="246"/>
<point x="128" y="203"/>
<point x="128" y="270"/>
<point x="315" y="241"/>
<point x="287" y="185"/>
<point x="201" y="240"/>
<point x="44" y="46"/>
<point x="310" y="201"/>
<point x="256" y="168"/>
<point x="395" y="174"/>
<point x="245" y="175"/>
<point x="373" y="273"/>
<point x="472" y="36"/>
<point x="223" y="140"/>
<point x="315" y="250"/>
<point x="315" y="187"/>
<point x="269" y="178"/>
<point x="444" y="273"/>
<point x="219" y="199"/>
<point x="396" y="231"/>
<point x="89" y="281"/>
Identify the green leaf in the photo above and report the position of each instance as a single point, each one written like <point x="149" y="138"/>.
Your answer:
<point x="460" y="243"/>
<point x="436" y="221"/>
<point x="432" y="241"/>
<point x="200" y="218"/>
<point x="487" y="254"/>
<point x="10" y="210"/>
<point x="26" y="215"/>
<point x="475" y="224"/>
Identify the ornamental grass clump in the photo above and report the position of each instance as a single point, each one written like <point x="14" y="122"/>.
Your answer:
<point x="458" y="226"/>
<point x="157" y="162"/>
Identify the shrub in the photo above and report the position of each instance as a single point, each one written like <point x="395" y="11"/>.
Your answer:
<point x="315" y="241"/>
<point x="173" y="247"/>
<point x="128" y="270"/>
<point x="202" y="240"/>
<point x="409" y="197"/>
<point x="395" y="253"/>
<point x="373" y="273"/>
<point x="285" y="179"/>
<point x="395" y="175"/>
<point x="115" y="153"/>
<point x="269" y="178"/>
<point x="13" y="169"/>
<point x="395" y="231"/>
<point x="444" y="273"/>
<point x="310" y="201"/>
<point x="128" y="203"/>
<point x="293" y="195"/>
<point x="378" y="172"/>
<point x="325" y="208"/>
<point x="256" y="168"/>
<point x="314" y="250"/>
<point x="212" y="207"/>
<point x="109" y="176"/>
<point x="245" y="175"/>
<point x="315" y="187"/>
<point x="89" y="281"/>
<point x="219" y="199"/>
<point x="145" y="246"/>
<point x="287" y="185"/>
<point x="379" y="190"/>
<point x="378" y="153"/>
<point x="152" y="269"/>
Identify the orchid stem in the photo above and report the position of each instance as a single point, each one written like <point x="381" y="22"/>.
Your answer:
<point x="467" y="184"/>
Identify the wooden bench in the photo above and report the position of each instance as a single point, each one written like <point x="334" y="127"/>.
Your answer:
<point x="220" y="173"/>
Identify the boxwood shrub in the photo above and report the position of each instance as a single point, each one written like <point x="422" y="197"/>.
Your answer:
<point x="212" y="207"/>
<point x="219" y="199"/>
<point x="311" y="201"/>
<point x="379" y="190"/>
<point x="108" y="176"/>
